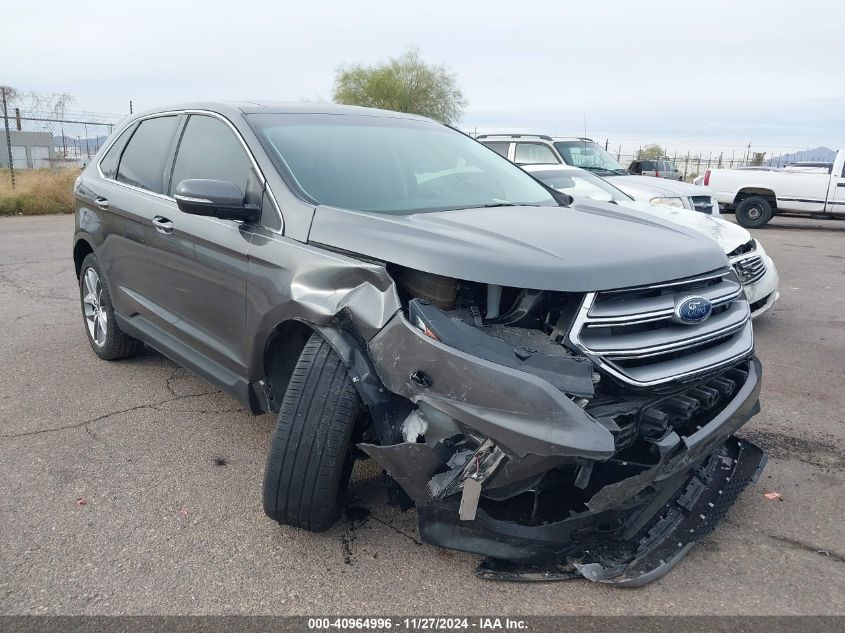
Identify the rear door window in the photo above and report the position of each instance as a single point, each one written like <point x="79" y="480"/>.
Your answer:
<point x="534" y="154"/>
<point x="145" y="158"/>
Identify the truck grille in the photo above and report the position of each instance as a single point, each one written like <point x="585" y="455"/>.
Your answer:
<point x="703" y="204"/>
<point x="750" y="270"/>
<point x="632" y="333"/>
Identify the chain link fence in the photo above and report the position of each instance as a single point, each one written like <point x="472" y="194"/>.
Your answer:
<point x="38" y="140"/>
<point x="693" y="164"/>
<point x="34" y="140"/>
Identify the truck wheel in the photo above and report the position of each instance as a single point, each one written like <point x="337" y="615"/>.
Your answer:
<point x="753" y="212"/>
<point x="310" y="462"/>
<point x="107" y="340"/>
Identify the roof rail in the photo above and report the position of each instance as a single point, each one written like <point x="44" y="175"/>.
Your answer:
<point x="545" y="137"/>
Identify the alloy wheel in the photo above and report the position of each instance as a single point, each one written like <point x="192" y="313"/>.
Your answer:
<point x="96" y="316"/>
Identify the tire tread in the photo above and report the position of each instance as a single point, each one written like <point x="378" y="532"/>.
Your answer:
<point x="310" y="446"/>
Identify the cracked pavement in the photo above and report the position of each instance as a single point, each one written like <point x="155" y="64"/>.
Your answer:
<point x="135" y="487"/>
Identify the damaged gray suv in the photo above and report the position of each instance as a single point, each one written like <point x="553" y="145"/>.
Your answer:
<point x="552" y="388"/>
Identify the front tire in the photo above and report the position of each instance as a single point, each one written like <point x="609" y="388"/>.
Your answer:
<point x="107" y="340"/>
<point x="753" y="212"/>
<point x="310" y="462"/>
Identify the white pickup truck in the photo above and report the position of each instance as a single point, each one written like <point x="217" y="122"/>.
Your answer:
<point x="755" y="195"/>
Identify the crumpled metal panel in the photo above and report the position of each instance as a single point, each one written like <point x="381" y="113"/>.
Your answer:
<point x="521" y="412"/>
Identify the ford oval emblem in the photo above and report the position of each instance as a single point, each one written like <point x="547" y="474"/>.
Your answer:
<point x="693" y="309"/>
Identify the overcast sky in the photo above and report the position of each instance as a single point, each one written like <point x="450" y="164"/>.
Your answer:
<point x="690" y="75"/>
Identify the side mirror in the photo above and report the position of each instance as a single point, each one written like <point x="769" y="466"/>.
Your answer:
<point x="216" y="199"/>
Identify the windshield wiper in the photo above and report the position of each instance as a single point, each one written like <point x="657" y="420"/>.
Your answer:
<point x="604" y="171"/>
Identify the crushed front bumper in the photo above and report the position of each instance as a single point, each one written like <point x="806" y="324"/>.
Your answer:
<point x="621" y="523"/>
<point x="680" y="511"/>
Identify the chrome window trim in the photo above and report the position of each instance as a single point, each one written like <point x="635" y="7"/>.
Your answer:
<point x="216" y="115"/>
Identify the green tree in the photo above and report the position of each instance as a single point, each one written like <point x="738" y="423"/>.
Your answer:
<point x="404" y="84"/>
<point x="650" y="152"/>
<point x="757" y="159"/>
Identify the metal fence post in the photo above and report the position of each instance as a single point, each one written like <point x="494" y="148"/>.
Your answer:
<point x="8" y="137"/>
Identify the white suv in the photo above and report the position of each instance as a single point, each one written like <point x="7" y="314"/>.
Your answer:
<point x="539" y="149"/>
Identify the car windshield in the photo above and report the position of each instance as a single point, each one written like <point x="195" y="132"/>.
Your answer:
<point x="589" y="155"/>
<point x="578" y="183"/>
<point x="392" y="165"/>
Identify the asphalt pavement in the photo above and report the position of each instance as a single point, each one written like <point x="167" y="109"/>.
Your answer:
<point x="134" y="487"/>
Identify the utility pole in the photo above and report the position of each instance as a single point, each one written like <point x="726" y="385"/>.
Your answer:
<point x="8" y="136"/>
<point x="130" y="107"/>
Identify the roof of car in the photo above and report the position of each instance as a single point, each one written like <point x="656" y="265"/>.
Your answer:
<point x="233" y="108"/>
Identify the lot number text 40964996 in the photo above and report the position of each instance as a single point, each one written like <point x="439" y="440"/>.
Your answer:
<point x="417" y="624"/>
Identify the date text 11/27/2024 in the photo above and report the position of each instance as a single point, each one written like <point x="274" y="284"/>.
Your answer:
<point x="417" y="624"/>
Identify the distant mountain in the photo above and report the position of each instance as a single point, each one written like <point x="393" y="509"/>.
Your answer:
<point x="819" y="154"/>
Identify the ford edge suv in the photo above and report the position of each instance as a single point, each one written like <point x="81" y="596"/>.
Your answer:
<point x="547" y="385"/>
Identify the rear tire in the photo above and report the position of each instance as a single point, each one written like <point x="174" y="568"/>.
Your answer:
<point x="310" y="462"/>
<point x="753" y="212"/>
<point x="107" y="340"/>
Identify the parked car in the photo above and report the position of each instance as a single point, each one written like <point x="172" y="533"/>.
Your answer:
<point x="538" y="149"/>
<point x="657" y="168"/>
<point x="755" y="196"/>
<point x="389" y="287"/>
<point x="753" y="266"/>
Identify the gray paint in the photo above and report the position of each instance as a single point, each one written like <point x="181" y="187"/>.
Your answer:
<point x="592" y="247"/>
<point x="209" y="293"/>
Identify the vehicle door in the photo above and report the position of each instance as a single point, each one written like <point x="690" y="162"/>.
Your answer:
<point x="534" y="154"/>
<point x="209" y="301"/>
<point x="137" y="252"/>
<point x="836" y="191"/>
<point x="672" y="171"/>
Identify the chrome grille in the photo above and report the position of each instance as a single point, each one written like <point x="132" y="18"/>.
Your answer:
<point x="632" y="333"/>
<point x="750" y="270"/>
<point x="703" y="204"/>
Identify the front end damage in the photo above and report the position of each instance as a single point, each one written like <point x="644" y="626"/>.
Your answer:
<point x="584" y="432"/>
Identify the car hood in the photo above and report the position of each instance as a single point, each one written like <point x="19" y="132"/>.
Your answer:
<point x="594" y="246"/>
<point x="650" y="187"/>
<point x="728" y="235"/>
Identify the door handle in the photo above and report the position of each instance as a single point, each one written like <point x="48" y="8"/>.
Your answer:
<point x="163" y="225"/>
<point x="102" y="203"/>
